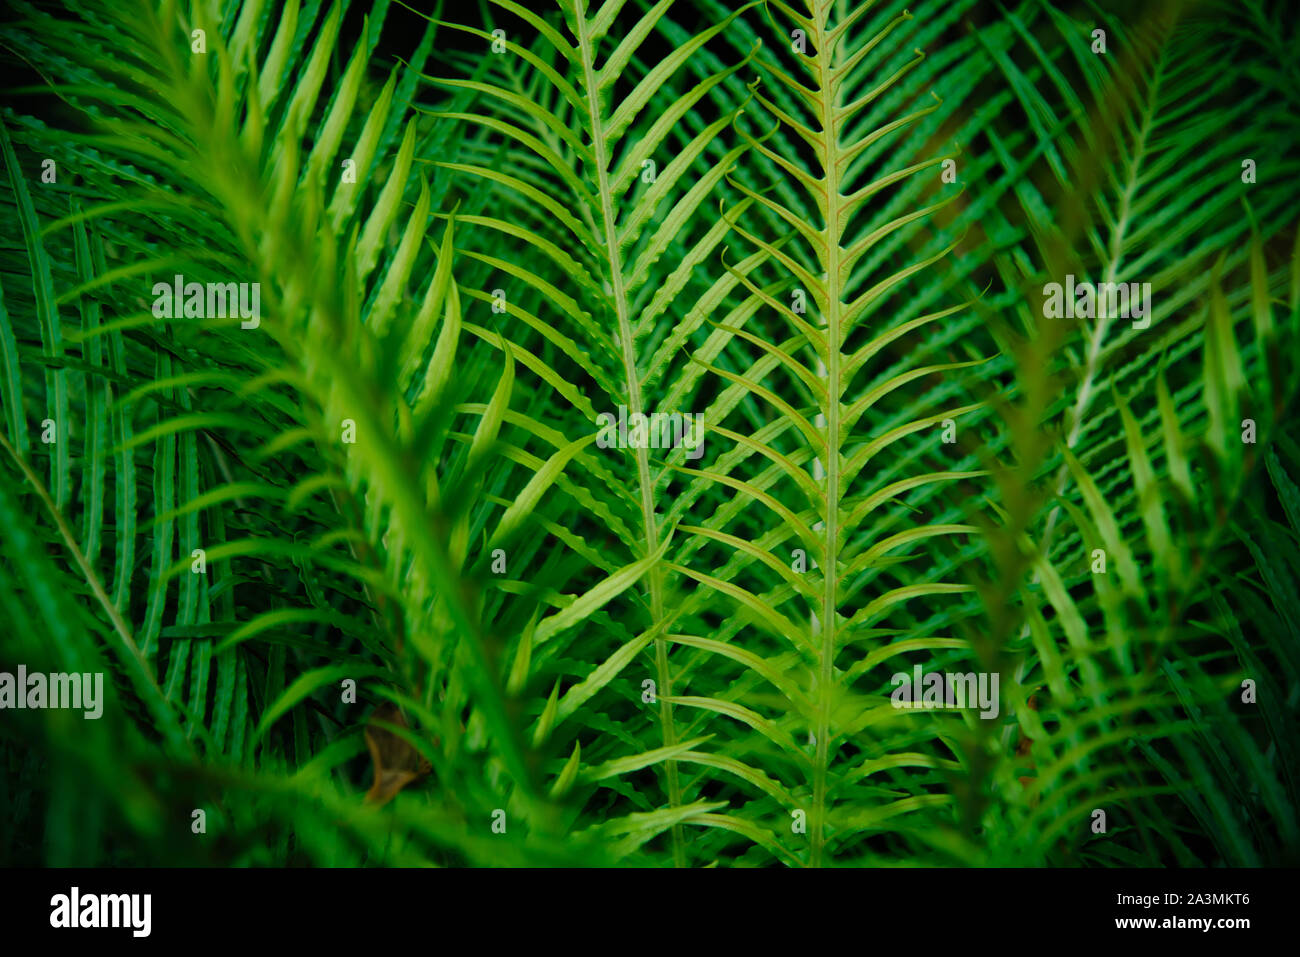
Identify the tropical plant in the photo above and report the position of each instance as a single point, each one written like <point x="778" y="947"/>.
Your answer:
<point x="432" y="521"/>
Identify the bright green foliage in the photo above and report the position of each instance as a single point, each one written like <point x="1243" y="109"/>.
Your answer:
<point x="826" y="227"/>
